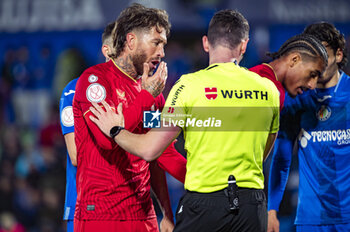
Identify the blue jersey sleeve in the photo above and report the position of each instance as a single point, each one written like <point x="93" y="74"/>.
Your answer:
<point x="282" y="153"/>
<point x="279" y="172"/>
<point x="66" y="109"/>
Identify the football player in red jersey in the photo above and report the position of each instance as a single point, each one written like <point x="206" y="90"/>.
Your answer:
<point x="296" y="66"/>
<point x="113" y="186"/>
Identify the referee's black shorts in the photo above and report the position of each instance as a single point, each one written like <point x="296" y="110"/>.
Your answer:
<point x="211" y="212"/>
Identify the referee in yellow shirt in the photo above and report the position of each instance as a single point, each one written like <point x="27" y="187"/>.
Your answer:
<point x="230" y="117"/>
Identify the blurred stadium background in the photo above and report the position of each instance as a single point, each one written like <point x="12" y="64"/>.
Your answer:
<point x="46" y="43"/>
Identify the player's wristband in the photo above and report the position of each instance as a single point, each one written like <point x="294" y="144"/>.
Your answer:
<point x="115" y="131"/>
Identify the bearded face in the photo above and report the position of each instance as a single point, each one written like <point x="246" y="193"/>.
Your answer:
<point x="138" y="59"/>
<point x="150" y="50"/>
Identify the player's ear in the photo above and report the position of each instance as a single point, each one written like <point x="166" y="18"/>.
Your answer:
<point x="339" y="56"/>
<point x="131" y="40"/>
<point x="205" y="43"/>
<point x="243" y="48"/>
<point x="105" y="51"/>
<point x="294" y="58"/>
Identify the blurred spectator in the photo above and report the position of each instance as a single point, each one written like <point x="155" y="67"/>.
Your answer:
<point x="178" y="62"/>
<point x="70" y="64"/>
<point x="26" y="203"/>
<point x="21" y="69"/>
<point x="198" y="56"/>
<point x="6" y="86"/>
<point x="24" y="99"/>
<point x="8" y="223"/>
<point x="10" y="144"/>
<point x="49" y="215"/>
<point x="6" y="194"/>
<point x="42" y="82"/>
<point x="44" y="68"/>
<point x="30" y="160"/>
<point x="50" y="133"/>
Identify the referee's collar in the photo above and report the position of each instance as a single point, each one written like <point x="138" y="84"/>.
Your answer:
<point x="216" y="64"/>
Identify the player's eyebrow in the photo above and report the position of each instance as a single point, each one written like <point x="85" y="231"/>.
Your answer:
<point x="317" y="72"/>
<point x="160" y="40"/>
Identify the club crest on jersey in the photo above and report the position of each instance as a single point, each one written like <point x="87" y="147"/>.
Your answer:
<point x="95" y="93"/>
<point x="67" y="118"/>
<point x="92" y="78"/>
<point x="120" y="93"/>
<point x="324" y="113"/>
<point x="211" y="93"/>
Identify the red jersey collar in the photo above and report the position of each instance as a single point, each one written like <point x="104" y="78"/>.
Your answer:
<point x="270" y="69"/>
<point x="120" y="71"/>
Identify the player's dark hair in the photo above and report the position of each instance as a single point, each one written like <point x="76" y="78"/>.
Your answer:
<point x="228" y="28"/>
<point x="326" y="32"/>
<point x="107" y="32"/>
<point x="308" y="46"/>
<point x="137" y="17"/>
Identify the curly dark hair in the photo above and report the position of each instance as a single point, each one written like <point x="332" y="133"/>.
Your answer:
<point x="326" y="32"/>
<point x="137" y="17"/>
<point x="229" y="28"/>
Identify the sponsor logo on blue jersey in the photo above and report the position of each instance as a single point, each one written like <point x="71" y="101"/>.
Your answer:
<point x="341" y="136"/>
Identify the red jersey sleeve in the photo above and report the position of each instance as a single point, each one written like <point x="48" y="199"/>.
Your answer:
<point x="173" y="162"/>
<point x="91" y="88"/>
<point x="133" y="114"/>
<point x="160" y="102"/>
<point x="266" y="71"/>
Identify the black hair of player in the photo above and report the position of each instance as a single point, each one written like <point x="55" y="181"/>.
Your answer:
<point x="308" y="46"/>
<point x="327" y="32"/>
<point x="228" y="28"/>
<point x="107" y="32"/>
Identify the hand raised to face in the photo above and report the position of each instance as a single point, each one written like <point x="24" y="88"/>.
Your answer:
<point x="154" y="84"/>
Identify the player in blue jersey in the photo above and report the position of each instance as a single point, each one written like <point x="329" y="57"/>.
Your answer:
<point x="319" y="121"/>
<point x="67" y="125"/>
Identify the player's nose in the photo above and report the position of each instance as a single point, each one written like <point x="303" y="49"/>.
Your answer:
<point x="160" y="52"/>
<point x="312" y="83"/>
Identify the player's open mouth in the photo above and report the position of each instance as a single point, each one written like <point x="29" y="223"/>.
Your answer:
<point x="154" y="64"/>
<point x="300" y="90"/>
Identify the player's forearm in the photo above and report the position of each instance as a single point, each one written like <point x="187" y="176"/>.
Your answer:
<point x="269" y="144"/>
<point x="71" y="147"/>
<point x="160" y="188"/>
<point x="141" y="145"/>
<point x="279" y="172"/>
<point x="72" y="152"/>
<point x="147" y="146"/>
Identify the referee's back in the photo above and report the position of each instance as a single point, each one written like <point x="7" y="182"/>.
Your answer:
<point x="228" y="113"/>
